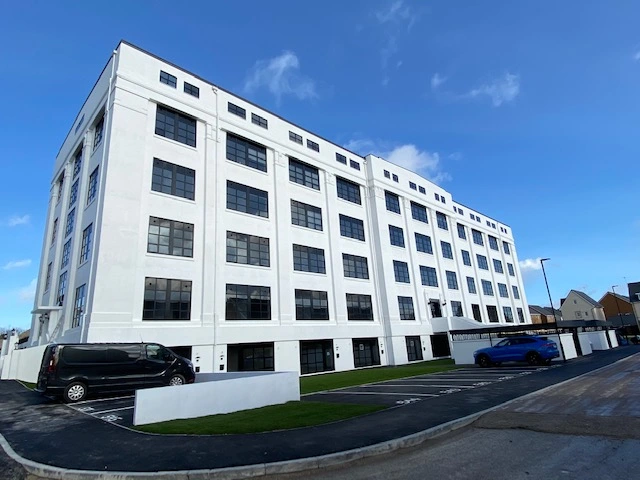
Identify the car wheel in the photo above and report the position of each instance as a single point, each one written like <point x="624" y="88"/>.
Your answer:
<point x="75" y="392"/>
<point x="533" y="358"/>
<point x="484" y="361"/>
<point x="176" y="380"/>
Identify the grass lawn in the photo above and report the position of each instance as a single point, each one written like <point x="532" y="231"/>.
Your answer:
<point x="265" y="419"/>
<point x="330" y="381"/>
<point x="29" y="385"/>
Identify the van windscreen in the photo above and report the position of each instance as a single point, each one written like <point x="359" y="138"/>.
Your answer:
<point x="123" y="353"/>
<point x="84" y="354"/>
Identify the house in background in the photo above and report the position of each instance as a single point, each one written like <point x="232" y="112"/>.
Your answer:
<point x="580" y="306"/>
<point x="543" y="314"/>
<point x="618" y="308"/>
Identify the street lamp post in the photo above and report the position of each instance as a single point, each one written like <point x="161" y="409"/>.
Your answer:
<point x="553" y="310"/>
<point x="613" y="288"/>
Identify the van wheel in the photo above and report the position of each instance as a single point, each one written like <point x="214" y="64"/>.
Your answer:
<point x="75" y="392"/>
<point x="176" y="380"/>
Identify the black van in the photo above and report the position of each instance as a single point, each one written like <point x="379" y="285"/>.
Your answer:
<point x="73" y="370"/>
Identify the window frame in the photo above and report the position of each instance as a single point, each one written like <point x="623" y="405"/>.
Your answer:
<point x="422" y="239"/>
<point x="355" y="266"/>
<point x="361" y="300"/>
<point x="401" y="271"/>
<point x="319" y="298"/>
<point x="419" y="212"/>
<point x="304" y="174"/>
<point x="406" y="309"/>
<point x="305" y="215"/>
<point x="253" y="200"/>
<point x="258" y="249"/>
<point x="246" y="152"/>
<point x="260" y="303"/>
<point x="392" y="201"/>
<point x="348" y="190"/>
<point x="179" y="122"/>
<point x="177" y="238"/>
<point x="308" y="259"/>
<point x="351" y="227"/>
<point x="428" y="276"/>
<point x="396" y="236"/>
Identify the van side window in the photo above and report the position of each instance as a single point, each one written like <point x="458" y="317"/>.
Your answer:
<point x="82" y="354"/>
<point x="123" y="353"/>
<point x="154" y="352"/>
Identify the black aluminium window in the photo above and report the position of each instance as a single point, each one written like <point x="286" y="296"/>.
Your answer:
<point x="304" y="174"/>
<point x="421" y="190"/>
<point x="506" y="248"/>
<point x="78" y="305"/>
<point x="413" y="186"/>
<point x="305" y="215"/>
<point x="355" y="266"/>
<point x="246" y="152"/>
<point x="396" y="236"/>
<point x="248" y="249"/>
<point x="442" y="221"/>
<point x="392" y="201"/>
<point x="247" y="302"/>
<point x="497" y="266"/>
<point x="351" y="227"/>
<point x="394" y="177"/>
<point x="294" y="137"/>
<point x="236" y="110"/>
<point x="477" y="316"/>
<point x="66" y="254"/>
<point x="169" y="178"/>
<point x="366" y="352"/>
<point x="311" y="305"/>
<point x="512" y="272"/>
<point x="70" y="222"/>
<point x="170" y="237"/>
<point x="493" y="242"/>
<point x="308" y="259"/>
<point x="62" y="287"/>
<point x="77" y="163"/>
<point x="47" y="282"/>
<point x="401" y="271"/>
<point x="419" y="212"/>
<point x="502" y="289"/>
<point x="354" y="164"/>
<point x="471" y="285"/>
<point x="516" y="292"/>
<point x="482" y="262"/>
<point x="168" y="79"/>
<point x="487" y="288"/>
<point x="508" y="314"/>
<point x="423" y="243"/>
<point x="92" y="191"/>
<point x="462" y="232"/>
<point x="313" y="145"/>
<point x="387" y="174"/>
<point x="466" y="258"/>
<point x="166" y="299"/>
<point x="428" y="276"/>
<point x="191" y="90"/>
<point x="341" y="158"/>
<point x="477" y="237"/>
<point x="98" y="132"/>
<point x="85" y="249"/>
<point x="316" y="356"/>
<point x="73" y="193"/>
<point x="243" y="198"/>
<point x="520" y="314"/>
<point x="452" y="280"/>
<point x="414" y="348"/>
<point x="405" y="307"/>
<point x="492" y="311"/>
<point x="359" y="307"/>
<point x="447" y="252"/>
<point x="348" y="190"/>
<point x="251" y="357"/>
<point x="260" y="121"/>
<point x="456" y="308"/>
<point x="175" y="126"/>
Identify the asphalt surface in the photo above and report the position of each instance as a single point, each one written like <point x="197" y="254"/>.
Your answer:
<point x="54" y="434"/>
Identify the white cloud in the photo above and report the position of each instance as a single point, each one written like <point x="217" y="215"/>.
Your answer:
<point x="501" y="90"/>
<point x="437" y="80"/>
<point x="17" y="220"/>
<point x="636" y="56"/>
<point x="389" y="50"/>
<point x="281" y="76"/>
<point x="362" y="146"/>
<point x="398" y="13"/>
<point x="27" y="293"/>
<point x="17" y="264"/>
<point x="529" y="265"/>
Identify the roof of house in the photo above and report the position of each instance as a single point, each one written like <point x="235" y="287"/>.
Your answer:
<point x="586" y="298"/>
<point x="624" y="298"/>
<point x="538" y="310"/>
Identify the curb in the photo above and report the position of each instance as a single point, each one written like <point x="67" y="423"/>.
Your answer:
<point x="276" y="468"/>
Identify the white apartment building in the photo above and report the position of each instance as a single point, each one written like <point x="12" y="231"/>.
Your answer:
<point x="183" y="214"/>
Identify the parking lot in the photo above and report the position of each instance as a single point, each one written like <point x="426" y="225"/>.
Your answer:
<point x="114" y="409"/>
<point x="424" y="387"/>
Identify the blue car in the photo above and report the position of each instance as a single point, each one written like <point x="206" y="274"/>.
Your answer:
<point x="531" y="349"/>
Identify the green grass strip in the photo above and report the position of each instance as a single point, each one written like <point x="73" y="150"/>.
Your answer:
<point x="265" y="419"/>
<point x="331" y="381"/>
<point x="29" y="385"/>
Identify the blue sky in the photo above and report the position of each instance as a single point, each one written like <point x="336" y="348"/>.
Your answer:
<point x="526" y="111"/>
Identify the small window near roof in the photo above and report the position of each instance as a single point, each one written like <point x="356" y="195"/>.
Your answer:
<point x="236" y="110"/>
<point x="422" y="190"/>
<point x="354" y="164"/>
<point x="412" y="186"/>
<point x="168" y="79"/>
<point x="387" y="174"/>
<point x="258" y="120"/>
<point x="313" y="145"/>
<point x="341" y="158"/>
<point x="294" y="137"/>
<point x="395" y="177"/>
<point x="191" y="90"/>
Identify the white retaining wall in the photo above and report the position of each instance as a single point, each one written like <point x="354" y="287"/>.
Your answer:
<point x="585" y="343"/>
<point x="599" y="340"/>
<point x="567" y="343"/>
<point x="215" y="393"/>
<point x="22" y="364"/>
<point x="462" y="350"/>
<point x="614" y="338"/>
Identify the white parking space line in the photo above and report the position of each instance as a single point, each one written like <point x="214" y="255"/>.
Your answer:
<point x="112" y="410"/>
<point x="468" y="379"/>
<point x="421" y="386"/>
<point x="382" y="393"/>
<point x="97" y="400"/>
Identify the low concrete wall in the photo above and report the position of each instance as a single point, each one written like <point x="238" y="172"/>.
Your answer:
<point x="22" y="364"/>
<point x="215" y="393"/>
<point x="599" y="340"/>
<point x="567" y="343"/>
<point x="585" y="343"/>
<point x="462" y="350"/>
<point x="614" y="338"/>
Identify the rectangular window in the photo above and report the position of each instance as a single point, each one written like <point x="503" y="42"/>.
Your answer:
<point x="93" y="186"/>
<point x="354" y="164"/>
<point x="355" y="266"/>
<point x="308" y="259"/>
<point x="168" y="79"/>
<point x="392" y="201"/>
<point x="47" y="282"/>
<point x="446" y="249"/>
<point x="54" y="231"/>
<point x="520" y="315"/>
<point x="359" y="307"/>
<point x="466" y="258"/>
<point x="497" y="266"/>
<point x="475" y="308"/>
<point x="423" y="243"/>
<point x="313" y="145"/>
<point x="236" y="110"/>
<point x="456" y="308"/>
<point x="396" y="236"/>
<point x="502" y="288"/>
<point x="98" y="133"/>
<point x="437" y="196"/>
<point x="395" y="178"/>
<point x="387" y="174"/>
<point x="260" y="121"/>
<point x="248" y="249"/>
<point x="170" y="237"/>
<point x="171" y="179"/>
<point x="422" y="190"/>
<point x="248" y="302"/>
<point x="73" y="194"/>
<point x="78" y="306"/>
<point x="492" y="311"/>
<point x="442" y="199"/>
<point x="87" y="237"/>
<point x="511" y="270"/>
<point x="251" y="357"/>
<point x="452" y="280"/>
<point x="487" y="288"/>
<point x="242" y="198"/>
<point x="508" y="314"/>
<point x="341" y="158"/>
<point x="305" y="215"/>
<point x="77" y="164"/>
<point x="294" y="137"/>
<point x="70" y="221"/>
<point x="482" y="262"/>
<point x="477" y="237"/>
<point x="316" y="356"/>
<point x="304" y="174"/>
<point x="414" y="350"/>
<point x="175" y="126"/>
<point x="62" y="287"/>
<point x="462" y="232"/>
<point x="471" y="285"/>
<point x="419" y="212"/>
<point x="66" y="254"/>
<point x="493" y="242"/>
<point x="516" y="292"/>
<point x="351" y="227"/>
<point x="428" y="276"/>
<point x="442" y="221"/>
<point x="311" y="305"/>
<point x="405" y="306"/>
<point x="247" y="153"/>
<point x="348" y="191"/>
<point x="191" y="90"/>
<point x="401" y="271"/>
<point x="505" y="247"/>
<point x="413" y="186"/>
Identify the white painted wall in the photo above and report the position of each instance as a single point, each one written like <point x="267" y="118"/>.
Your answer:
<point x="613" y="338"/>
<point x="599" y="340"/>
<point x="462" y="350"/>
<point x="567" y="343"/>
<point x="585" y="343"/>
<point x="22" y="364"/>
<point x="214" y="394"/>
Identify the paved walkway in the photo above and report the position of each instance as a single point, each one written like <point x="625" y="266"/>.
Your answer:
<point x="53" y="434"/>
